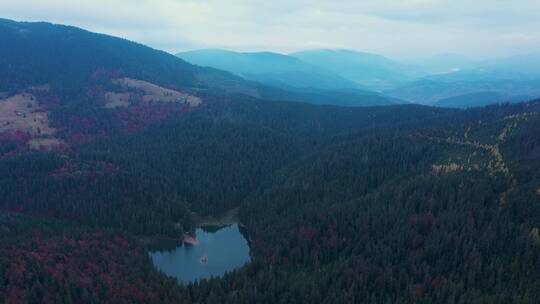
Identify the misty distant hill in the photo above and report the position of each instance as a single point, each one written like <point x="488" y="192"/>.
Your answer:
<point x="477" y="99"/>
<point x="445" y="79"/>
<point x="450" y="80"/>
<point x="269" y="68"/>
<point x="372" y="71"/>
<point x="470" y="86"/>
<point x="444" y="63"/>
<point x="297" y="80"/>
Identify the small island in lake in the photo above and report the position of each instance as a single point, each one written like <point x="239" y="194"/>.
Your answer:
<point x="204" y="259"/>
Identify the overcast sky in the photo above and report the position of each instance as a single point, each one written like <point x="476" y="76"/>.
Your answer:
<point x="397" y="28"/>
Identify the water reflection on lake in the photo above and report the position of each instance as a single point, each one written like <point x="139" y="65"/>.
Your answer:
<point x="226" y="249"/>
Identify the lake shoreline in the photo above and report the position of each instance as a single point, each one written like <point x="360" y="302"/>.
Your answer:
<point x="227" y="218"/>
<point x="218" y="251"/>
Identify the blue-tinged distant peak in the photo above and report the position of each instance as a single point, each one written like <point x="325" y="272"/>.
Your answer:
<point x="269" y="68"/>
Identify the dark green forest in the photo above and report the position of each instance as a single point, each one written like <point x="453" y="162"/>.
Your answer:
<point x="389" y="210"/>
<point x="395" y="204"/>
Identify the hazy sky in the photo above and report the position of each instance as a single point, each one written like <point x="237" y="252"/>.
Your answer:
<point x="392" y="27"/>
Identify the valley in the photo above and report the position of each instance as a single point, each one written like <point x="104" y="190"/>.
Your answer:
<point x="463" y="83"/>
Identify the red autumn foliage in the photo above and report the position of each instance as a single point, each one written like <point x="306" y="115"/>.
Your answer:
<point x="101" y="264"/>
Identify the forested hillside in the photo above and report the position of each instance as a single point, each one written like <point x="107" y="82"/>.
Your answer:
<point x="396" y="204"/>
<point x="62" y="85"/>
<point x="440" y="207"/>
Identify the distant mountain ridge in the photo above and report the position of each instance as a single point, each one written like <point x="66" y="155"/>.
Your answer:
<point x="73" y="55"/>
<point x="269" y="68"/>
<point x="477" y="99"/>
<point x="68" y="59"/>
<point x="371" y="71"/>
<point x="301" y="81"/>
<point x="504" y="86"/>
<point x="62" y="86"/>
<point x="430" y="81"/>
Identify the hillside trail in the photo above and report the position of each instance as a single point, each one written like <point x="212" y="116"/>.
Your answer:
<point x="497" y="164"/>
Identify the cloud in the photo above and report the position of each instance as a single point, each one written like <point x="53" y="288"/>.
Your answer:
<point x="399" y="28"/>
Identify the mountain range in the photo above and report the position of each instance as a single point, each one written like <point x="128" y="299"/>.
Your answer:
<point x="290" y="74"/>
<point x="270" y="68"/>
<point x="446" y="80"/>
